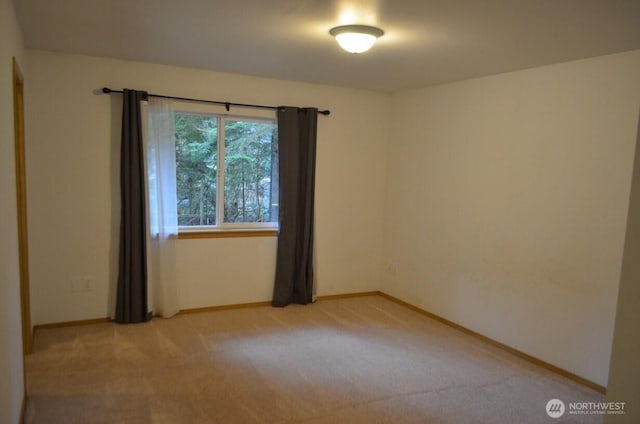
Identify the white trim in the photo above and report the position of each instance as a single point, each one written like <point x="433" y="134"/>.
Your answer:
<point x="220" y="174"/>
<point x="260" y="226"/>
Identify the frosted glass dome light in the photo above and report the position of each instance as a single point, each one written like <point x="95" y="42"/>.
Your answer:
<point x="356" y="38"/>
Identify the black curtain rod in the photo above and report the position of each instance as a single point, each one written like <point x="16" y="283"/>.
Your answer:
<point x="227" y="105"/>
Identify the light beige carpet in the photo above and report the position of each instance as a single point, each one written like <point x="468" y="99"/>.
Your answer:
<point x="358" y="360"/>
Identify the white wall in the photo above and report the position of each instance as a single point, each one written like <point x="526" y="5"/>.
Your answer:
<point x="507" y="202"/>
<point x="11" y="364"/>
<point x="624" y="376"/>
<point x="73" y="172"/>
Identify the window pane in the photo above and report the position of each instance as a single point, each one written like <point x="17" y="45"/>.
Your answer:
<point x="196" y="168"/>
<point x="250" y="172"/>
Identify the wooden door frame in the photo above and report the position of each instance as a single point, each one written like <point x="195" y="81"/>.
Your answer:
<point x="21" y="194"/>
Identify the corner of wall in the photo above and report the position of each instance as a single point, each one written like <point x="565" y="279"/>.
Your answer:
<point x="624" y="374"/>
<point x="11" y="360"/>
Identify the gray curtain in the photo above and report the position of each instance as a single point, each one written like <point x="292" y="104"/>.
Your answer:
<point x="297" y="164"/>
<point x="131" y="301"/>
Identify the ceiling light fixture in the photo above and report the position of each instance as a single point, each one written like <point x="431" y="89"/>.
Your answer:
<point x="356" y="38"/>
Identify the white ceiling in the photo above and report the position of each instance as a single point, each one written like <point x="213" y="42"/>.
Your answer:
<point x="426" y="42"/>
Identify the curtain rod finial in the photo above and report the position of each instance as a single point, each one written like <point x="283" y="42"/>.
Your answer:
<point x="106" y="90"/>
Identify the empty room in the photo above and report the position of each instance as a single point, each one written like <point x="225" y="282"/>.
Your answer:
<point x="309" y="211"/>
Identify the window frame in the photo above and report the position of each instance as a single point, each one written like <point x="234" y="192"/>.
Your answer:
<point x="222" y="229"/>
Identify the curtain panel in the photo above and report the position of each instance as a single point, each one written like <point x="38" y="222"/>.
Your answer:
<point x="295" y="274"/>
<point x="163" y="214"/>
<point x="131" y="298"/>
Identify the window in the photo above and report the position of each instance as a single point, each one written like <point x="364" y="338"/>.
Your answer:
<point x="226" y="171"/>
